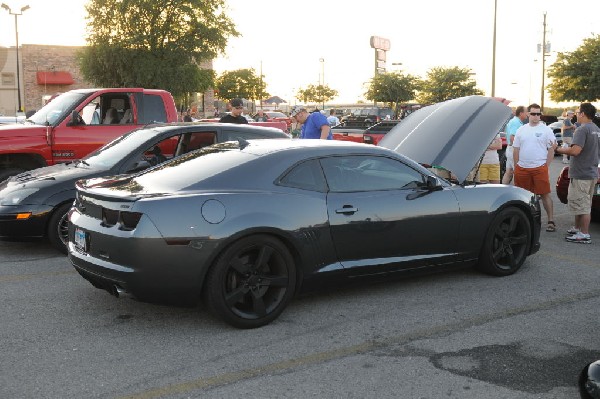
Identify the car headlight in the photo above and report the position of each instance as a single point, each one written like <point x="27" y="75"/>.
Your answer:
<point x="17" y="196"/>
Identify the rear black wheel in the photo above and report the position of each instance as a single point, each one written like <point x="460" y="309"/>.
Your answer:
<point x="58" y="228"/>
<point x="251" y="282"/>
<point x="506" y="243"/>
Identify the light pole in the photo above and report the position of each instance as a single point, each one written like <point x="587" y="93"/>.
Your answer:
<point x="322" y="61"/>
<point x="494" y="52"/>
<point x="16" y="14"/>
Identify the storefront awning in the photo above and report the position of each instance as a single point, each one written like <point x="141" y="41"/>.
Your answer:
<point x="54" y="78"/>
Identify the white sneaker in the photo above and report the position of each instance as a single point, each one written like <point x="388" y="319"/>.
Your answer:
<point x="565" y="161"/>
<point x="572" y="230"/>
<point x="580" y="238"/>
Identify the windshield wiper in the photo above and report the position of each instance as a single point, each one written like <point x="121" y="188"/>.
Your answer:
<point x="83" y="162"/>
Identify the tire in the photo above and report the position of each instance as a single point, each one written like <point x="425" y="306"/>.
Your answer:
<point x="58" y="228"/>
<point x="595" y="215"/>
<point x="6" y="173"/>
<point x="507" y="243"/>
<point x="258" y="275"/>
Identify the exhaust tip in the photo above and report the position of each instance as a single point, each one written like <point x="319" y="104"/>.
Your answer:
<point x="119" y="292"/>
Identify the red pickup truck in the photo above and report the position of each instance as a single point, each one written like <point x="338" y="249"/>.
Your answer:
<point x="78" y="122"/>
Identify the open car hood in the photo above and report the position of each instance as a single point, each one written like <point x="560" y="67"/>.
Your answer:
<point x="453" y="134"/>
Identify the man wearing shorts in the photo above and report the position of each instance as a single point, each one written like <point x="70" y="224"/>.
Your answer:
<point x="583" y="172"/>
<point x="533" y="151"/>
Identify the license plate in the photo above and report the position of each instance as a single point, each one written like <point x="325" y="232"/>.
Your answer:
<point x="597" y="192"/>
<point x="80" y="240"/>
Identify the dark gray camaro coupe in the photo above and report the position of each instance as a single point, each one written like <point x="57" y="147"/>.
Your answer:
<point x="246" y="225"/>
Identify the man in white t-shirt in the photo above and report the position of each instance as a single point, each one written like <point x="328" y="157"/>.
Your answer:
<point x="533" y="151"/>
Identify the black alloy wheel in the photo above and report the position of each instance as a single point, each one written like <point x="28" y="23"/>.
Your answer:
<point x="252" y="282"/>
<point x="58" y="228"/>
<point x="506" y="244"/>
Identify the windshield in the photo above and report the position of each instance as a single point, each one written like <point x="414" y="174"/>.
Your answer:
<point x="57" y="109"/>
<point x="113" y="152"/>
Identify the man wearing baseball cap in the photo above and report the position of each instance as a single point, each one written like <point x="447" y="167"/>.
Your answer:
<point x="314" y="125"/>
<point x="237" y="106"/>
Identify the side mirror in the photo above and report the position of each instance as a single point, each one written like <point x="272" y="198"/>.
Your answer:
<point x="589" y="381"/>
<point x="75" y="119"/>
<point x="432" y="184"/>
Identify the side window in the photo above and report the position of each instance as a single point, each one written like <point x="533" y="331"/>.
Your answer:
<point x="306" y="176"/>
<point x="91" y="112"/>
<point x="232" y="135"/>
<point x="193" y="140"/>
<point x="154" y="110"/>
<point x="369" y="173"/>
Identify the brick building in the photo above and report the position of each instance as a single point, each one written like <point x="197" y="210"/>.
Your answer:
<point x="46" y="70"/>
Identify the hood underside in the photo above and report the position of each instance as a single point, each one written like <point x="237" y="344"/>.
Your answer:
<point x="453" y="134"/>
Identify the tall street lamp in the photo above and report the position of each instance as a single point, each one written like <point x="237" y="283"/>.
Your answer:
<point x="322" y="61"/>
<point x="494" y="52"/>
<point x="16" y="14"/>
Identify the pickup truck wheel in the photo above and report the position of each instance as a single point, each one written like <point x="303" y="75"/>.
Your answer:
<point x="58" y="228"/>
<point x="6" y="173"/>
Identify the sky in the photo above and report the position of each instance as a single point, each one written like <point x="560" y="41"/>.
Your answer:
<point x="288" y="40"/>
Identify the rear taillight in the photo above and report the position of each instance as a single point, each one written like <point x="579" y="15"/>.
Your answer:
<point x="109" y="217"/>
<point x="129" y="220"/>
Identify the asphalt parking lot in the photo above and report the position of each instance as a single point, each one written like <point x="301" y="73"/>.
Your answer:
<point x="458" y="335"/>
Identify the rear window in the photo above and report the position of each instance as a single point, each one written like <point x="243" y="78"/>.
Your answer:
<point x="154" y="110"/>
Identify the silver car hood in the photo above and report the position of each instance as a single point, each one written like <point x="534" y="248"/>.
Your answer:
<point x="453" y="134"/>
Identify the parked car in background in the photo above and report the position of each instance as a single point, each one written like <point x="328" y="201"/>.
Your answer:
<point x="562" y="190"/>
<point x="276" y="116"/>
<point x="11" y="120"/>
<point x="78" y="122"/>
<point x="343" y="133"/>
<point x="365" y="117"/>
<point x="247" y="225"/>
<point x="35" y="203"/>
<point x="376" y="132"/>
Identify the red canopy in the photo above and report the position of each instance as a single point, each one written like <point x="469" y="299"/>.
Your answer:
<point x="54" y="78"/>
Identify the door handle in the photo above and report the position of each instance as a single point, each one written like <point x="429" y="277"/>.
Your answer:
<point x="347" y="210"/>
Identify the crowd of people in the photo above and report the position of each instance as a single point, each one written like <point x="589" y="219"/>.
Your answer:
<point x="531" y="146"/>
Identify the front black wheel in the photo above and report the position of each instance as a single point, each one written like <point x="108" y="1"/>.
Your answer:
<point x="251" y="282"/>
<point x="58" y="228"/>
<point x="506" y="243"/>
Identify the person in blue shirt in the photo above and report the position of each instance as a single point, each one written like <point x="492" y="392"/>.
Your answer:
<point x="511" y="128"/>
<point x="314" y="125"/>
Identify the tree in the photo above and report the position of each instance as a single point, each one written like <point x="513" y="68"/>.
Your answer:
<point x="393" y="88"/>
<point x="576" y="75"/>
<point x="444" y="84"/>
<point x="319" y="94"/>
<point x="154" y="43"/>
<point x="241" y="83"/>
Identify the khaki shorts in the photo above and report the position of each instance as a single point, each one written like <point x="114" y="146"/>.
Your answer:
<point x="489" y="171"/>
<point x="580" y="196"/>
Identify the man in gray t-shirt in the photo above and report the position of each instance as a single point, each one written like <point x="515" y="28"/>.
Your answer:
<point x="583" y="171"/>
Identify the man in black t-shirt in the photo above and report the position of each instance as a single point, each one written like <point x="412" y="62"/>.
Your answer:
<point x="237" y="106"/>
